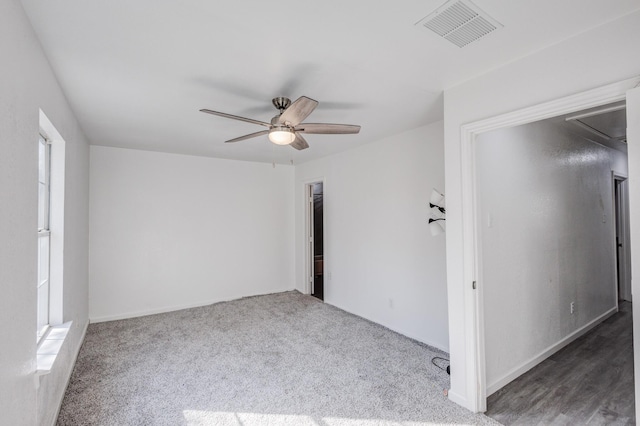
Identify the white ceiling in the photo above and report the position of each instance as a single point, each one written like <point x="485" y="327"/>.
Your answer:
<point x="137" y="72"/>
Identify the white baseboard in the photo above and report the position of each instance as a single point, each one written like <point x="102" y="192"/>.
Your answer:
<point x="528" y="365"/>
<point x="172" y="308"/>
<point x="416" y="338"/>
<point x="397" y="330"/>
<point x="457" y="398"/>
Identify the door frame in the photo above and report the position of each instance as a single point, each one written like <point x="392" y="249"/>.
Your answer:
<point x="308" y="224"/>
<point x="621" y="211"/>
<point x="473" y="293"/>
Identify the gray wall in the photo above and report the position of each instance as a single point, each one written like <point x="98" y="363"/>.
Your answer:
<point x="28" y="84"/>
<point x="546" y="228"/>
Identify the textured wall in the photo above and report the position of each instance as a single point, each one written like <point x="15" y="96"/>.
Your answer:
<point x="546" y="227"/>
<point x="381" y="261"/>
<point x="171" y="231"/>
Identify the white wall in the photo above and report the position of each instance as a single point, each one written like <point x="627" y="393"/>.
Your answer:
<point x="172" y="231"/>
<point x="603" y="55"/>
<point x="377" y="242"/>
<point x="546" y="225"/>
<point x="27" y="84"/>
<point x="633" y="135"/>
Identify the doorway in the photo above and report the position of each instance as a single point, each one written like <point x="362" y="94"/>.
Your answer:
<point x="547" y="237"/>
<point x="469" y="387"/>
<point x="315" y="196"/>
<point x="621" y="212"/>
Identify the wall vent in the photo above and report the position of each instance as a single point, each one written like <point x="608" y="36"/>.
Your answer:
<point x="459" y="21"/>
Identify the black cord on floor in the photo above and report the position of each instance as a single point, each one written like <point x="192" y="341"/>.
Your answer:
<point x="433" y="361"/>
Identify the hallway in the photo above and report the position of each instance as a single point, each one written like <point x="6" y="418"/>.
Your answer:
<point x="588" y="382"/>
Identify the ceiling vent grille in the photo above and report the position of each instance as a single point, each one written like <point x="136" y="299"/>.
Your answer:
<point x="460" y="21"/>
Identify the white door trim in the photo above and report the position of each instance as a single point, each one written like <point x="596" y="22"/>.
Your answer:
<point x="308" y="263"/>
<point x="473" y="299"/>
<point x="633" y="135"/>
<point x="622" y="218"/>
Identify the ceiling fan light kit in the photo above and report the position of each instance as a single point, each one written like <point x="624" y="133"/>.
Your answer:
<point x="285" y="128"/>
<point x="282" y="135"/>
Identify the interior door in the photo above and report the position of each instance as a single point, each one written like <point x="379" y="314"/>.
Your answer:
<point x="310" y="238"/>
<point x="317" y="241"/>
<point x="621" y="208"/>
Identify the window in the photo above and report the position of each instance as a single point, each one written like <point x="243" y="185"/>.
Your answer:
<point x="44" y="235"/>
<point x="51" y="328"/>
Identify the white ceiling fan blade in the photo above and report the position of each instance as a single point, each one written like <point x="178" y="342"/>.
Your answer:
<point x="249" y="136"/>
<point x="236" y="117"/>
<point x="299" y="143"/>
<point x="297" y="111"/>
<point x="327" y="128"/>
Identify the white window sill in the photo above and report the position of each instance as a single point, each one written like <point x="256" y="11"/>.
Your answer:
<point x="49" y="347"/>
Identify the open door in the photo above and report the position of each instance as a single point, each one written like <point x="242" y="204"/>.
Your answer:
<point x="621" y="209"/>
<point x="633" y="145"/>
<point x="315" y="240"/>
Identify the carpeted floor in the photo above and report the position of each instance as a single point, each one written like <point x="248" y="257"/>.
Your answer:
<point x="281" y="359"/>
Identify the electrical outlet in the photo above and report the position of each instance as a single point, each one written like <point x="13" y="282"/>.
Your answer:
<point x="572" y="307"/>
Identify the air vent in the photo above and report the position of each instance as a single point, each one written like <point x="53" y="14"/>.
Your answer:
<point x="460" y="21"/>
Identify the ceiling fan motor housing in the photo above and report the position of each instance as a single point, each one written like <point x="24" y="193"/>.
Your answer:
<point x="281" y="103"/>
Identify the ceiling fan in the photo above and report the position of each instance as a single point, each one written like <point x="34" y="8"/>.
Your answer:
<point x="286" y="127"/>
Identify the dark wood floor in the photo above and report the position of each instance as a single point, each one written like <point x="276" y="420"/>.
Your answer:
<point x="589" y="382"/>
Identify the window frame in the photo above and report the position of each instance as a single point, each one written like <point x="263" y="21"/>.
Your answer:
<point x="43" y="282"/>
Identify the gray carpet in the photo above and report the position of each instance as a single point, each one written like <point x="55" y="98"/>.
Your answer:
<point x="281" y="359"/>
